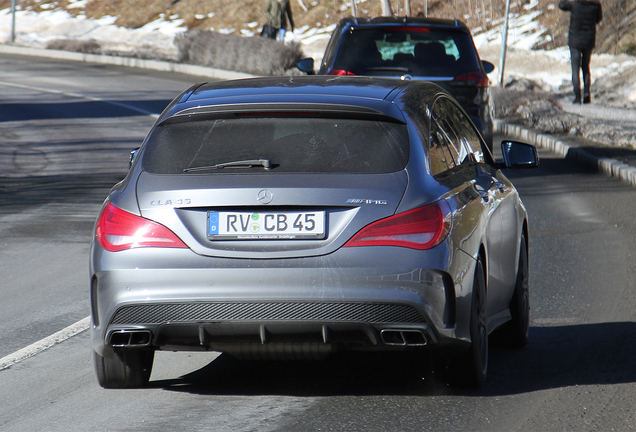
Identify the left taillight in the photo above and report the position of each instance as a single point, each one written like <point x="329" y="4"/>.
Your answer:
<point x="421" y="228"/>
<point x="119" y="230"/>
<point x="339" y="72"/>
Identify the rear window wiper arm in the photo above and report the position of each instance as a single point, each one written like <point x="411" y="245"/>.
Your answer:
<point x="388" y="69"/>
<point x="248" y="163"/>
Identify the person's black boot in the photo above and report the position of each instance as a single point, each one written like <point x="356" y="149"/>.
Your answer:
<point x="587" y="100"/>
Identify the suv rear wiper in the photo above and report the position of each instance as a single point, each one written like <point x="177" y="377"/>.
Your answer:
<point x="388" y="69"/>
<point x="248" y="163"/>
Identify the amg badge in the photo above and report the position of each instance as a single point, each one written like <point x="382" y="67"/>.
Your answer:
<point x="366" y="201"/>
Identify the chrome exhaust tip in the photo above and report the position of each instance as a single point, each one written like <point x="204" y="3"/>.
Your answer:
<point x="403" y="337"/>
<point x="129" y="338"/>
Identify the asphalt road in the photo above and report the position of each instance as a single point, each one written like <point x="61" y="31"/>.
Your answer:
<point x="65" y="133"/>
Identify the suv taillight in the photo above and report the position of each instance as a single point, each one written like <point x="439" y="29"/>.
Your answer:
<point x="474" y="78"/>
<point x="408" y="29"/>
<point x="421" y="228"/>
<point x="118" y="230"/>
<point x="339" y="72"/>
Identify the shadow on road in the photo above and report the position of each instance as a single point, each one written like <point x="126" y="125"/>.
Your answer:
<point x="563" y="356"/>
<point x="53" y="207"/>
<point x="552" y="164"/>
<point x="80" y="109"/>
<point x="551" y="177"/>
<point x="64" y="189"/>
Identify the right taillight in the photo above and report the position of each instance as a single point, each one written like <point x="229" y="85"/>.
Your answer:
<point x="339" y="72"/>
<point x="119" y="230"/>
<point x="474" y="79"/>
<point x="421" y="228"/>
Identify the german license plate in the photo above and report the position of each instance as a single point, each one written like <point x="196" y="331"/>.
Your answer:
<point x="266" y="225"/>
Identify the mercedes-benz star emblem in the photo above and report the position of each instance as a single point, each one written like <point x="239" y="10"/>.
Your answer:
<point x="265" y="196"/>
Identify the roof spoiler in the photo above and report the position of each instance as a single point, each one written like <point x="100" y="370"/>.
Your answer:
<point x="279" y="109"/>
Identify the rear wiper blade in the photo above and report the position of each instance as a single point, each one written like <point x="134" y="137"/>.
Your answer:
<point x="388" y="69"/>
<point x="248" y="163"/>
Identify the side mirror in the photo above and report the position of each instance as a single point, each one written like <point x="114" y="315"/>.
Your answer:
<point x="488" y="67"/>
<point x="306" y="65"/>
<point x="133" y="156"/>
<point x="518" y="155"/>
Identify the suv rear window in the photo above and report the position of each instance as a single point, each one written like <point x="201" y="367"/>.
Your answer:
<point x="292" y="145"/>
<point x="398" y="50"/>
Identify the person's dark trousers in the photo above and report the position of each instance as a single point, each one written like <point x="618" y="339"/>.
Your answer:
<point x="581" y="62"/>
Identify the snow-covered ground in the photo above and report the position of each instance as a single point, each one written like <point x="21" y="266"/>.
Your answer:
<point x="37" y="29"/>
<point x="549" y="68"/>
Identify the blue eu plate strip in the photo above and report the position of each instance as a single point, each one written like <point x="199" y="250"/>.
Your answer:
<point x="213" y="223"/>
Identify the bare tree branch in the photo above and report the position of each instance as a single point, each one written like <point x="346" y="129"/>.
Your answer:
<point x="302" y="5"/>
<point x="386" y="8"/>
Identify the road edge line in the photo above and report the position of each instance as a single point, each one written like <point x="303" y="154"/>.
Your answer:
<point x="43" y="344"/>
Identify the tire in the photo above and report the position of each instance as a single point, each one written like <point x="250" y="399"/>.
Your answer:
<point x="128" y="368"/>
<point x="471" y="368"/>
<point x="514" y="334"/>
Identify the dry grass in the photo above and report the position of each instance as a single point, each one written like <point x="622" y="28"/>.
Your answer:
<point x="256" y="55"/>
<point x="87" y="47"/>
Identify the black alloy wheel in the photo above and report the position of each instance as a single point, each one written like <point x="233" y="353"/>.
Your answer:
<point x="471" y="368"/>
<point x="514" y="334"/>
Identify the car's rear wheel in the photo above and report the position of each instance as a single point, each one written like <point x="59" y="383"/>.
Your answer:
<point x="471" y="368"/>
<point x="128" y="368"/>
<point x="514" y="334"/>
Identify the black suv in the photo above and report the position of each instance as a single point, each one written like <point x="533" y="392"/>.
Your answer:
<point x="441" y="51"/>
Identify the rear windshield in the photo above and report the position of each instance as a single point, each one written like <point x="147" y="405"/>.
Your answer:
<point x="291" y="145"/>
<point x="395" y="51"/>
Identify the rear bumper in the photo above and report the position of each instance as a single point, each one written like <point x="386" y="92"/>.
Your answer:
<point x="314" y="306"/>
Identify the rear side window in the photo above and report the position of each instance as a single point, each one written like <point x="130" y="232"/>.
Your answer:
<point x="439" y="153"/>
<point x="464" y="137"/>
<point x="291" y="145"/>
<point x="418" y="51"/>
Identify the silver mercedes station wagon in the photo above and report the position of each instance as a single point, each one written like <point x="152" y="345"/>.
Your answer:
<point x="294" y="217"/>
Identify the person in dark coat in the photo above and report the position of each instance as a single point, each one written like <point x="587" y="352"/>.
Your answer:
<point x="277" y="12"/>
<point x="584" y="16"/>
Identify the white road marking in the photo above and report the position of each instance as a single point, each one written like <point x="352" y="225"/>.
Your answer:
<point x="45" y="343"/>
